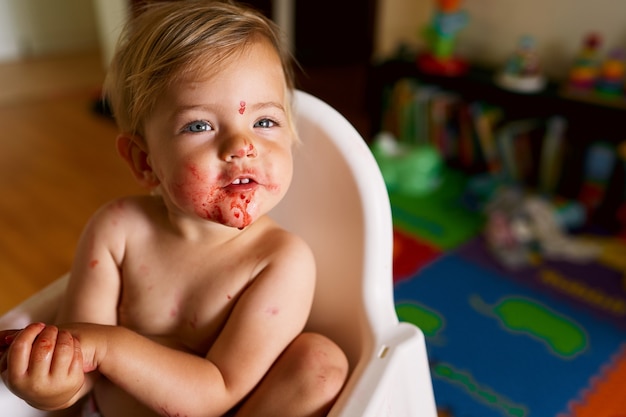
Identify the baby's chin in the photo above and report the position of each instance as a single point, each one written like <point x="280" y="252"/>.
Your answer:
<point x="239" y="218"/>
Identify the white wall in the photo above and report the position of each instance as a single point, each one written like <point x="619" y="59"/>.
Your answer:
<point x="111" y="16"/>
<point x="39" y="27"/>
<point x="495" y="26"/>
<point x="43" y="27"/>
<point x="9" y="43"/>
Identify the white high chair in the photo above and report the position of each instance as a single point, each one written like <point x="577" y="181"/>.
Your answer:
<point x="339" y="204"/>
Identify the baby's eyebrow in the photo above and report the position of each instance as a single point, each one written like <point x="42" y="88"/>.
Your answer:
<point x="211" y="107"/>
<point x="266" y="105"/>
<point x="182" y="109"/>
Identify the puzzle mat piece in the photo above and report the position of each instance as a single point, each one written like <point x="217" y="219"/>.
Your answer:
<point x="492" y="355"/>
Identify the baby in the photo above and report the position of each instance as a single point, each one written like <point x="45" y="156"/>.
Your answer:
<point x="190" y="301"/>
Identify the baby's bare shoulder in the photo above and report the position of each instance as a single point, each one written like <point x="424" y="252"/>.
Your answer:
<point x="123" y="217"/>
<point x="277" y="240"/>
<point x="128" y="209"/>
<point x="285" y="249"/>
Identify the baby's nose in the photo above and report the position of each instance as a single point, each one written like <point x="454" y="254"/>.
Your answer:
<point x="239" y="148"/>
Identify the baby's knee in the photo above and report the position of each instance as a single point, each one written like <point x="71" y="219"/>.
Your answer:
<point x="321" y="363"/>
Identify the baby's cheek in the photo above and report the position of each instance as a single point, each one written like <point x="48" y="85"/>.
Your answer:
<point x="196" y="197"/>
<point x="213" y="203"/>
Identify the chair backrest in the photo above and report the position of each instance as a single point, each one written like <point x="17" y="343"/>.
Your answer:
<point x="339" y="204"/>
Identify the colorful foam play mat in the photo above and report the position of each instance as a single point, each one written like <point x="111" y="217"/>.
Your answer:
<point x="547" y="339"/>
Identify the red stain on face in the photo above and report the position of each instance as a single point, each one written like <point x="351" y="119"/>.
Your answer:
<point x="242" y="107"/>
<point x="216" y="199"/>
<point x="93" y="263"/>
<point x="195" y="172"/>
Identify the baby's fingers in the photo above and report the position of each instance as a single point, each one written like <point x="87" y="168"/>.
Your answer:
<point x="67" y="357"/>
<point x="7" y="337"/>
<point x="21" y="348"/>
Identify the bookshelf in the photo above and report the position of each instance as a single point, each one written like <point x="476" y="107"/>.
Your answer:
<point x="597" y="118"/>
<point x="589" y="120"/>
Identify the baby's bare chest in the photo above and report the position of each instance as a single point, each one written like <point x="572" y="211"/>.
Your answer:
<point x="184" y="304"/>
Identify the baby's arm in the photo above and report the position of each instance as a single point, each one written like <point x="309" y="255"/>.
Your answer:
<point x="268" y="316"/>
<point x="43" y="365"/>
<point x="94" y="287"/>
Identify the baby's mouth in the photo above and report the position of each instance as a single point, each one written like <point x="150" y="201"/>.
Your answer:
<point x="239" y="181"/>
<point x="242" y="184"/>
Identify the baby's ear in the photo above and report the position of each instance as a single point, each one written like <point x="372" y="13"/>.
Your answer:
<point x="133" y="150"/>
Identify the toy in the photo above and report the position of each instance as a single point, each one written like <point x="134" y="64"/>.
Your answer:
<point x="522" y="71"/>
<point x="599" y="164"/>
<point x="586" y="68"/>
<point x="621" y="211"/>
<point x="522" y="229"/>
<point x="413" y="170"/>
<point x="440" y="36"/>
<point x="612" y="74"/>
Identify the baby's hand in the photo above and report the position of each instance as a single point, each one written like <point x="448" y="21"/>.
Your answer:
<point x="6" y="338"/>
<point x="43" y="366"/>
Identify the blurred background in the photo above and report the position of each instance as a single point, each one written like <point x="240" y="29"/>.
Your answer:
<point x="477" y="171"/>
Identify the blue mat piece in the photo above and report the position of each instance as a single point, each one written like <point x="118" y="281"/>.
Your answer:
<point x="499" y="348"/>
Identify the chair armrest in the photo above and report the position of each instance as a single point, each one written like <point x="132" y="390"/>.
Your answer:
<point x="395" y="382"/>
<point x="41" y="307"/>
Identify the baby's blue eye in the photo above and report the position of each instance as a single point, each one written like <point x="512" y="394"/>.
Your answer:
<point x="265" y="123"/>
<point x="197" y="126"/>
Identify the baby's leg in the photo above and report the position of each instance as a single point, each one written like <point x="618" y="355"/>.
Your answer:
<point x="305" y="380"/>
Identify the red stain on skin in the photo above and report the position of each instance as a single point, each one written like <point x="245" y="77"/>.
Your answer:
<point x="195" y="172"/>
<point x="242" y="107"/>
<point x="45" y="345"/>
<point x="93" y="263"/>
<point x="166" y="413"/>
<point x="42" y="349"/>
<point x="272" y="311"/>
<point x="216" y="199"/>
<point x="144" y="270"/>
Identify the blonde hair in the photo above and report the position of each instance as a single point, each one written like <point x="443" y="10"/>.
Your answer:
<point x="170" y="39"/>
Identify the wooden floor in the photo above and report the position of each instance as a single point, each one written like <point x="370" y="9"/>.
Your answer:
<point x="57" y="165"/>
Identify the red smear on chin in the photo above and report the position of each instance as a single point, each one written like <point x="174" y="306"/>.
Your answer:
<point x="225" y="205"/>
